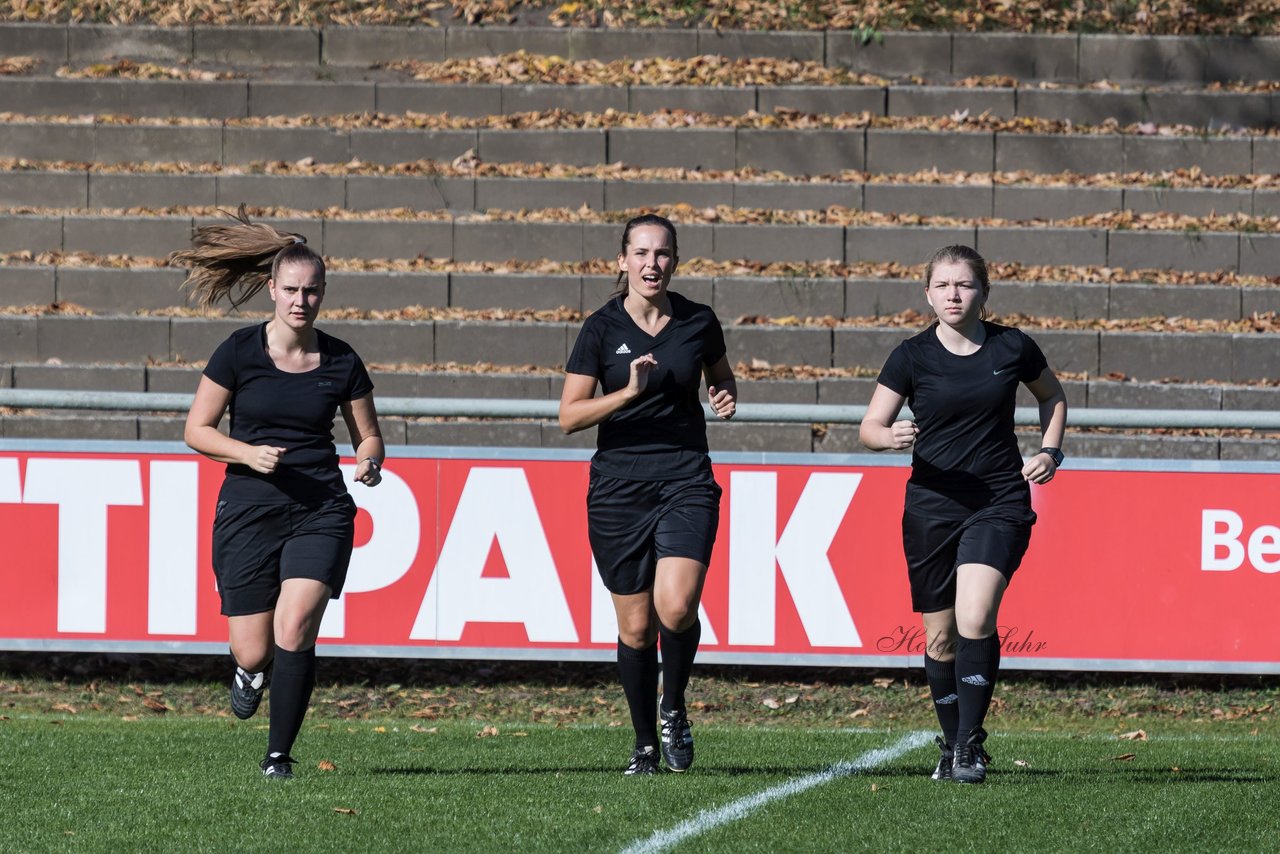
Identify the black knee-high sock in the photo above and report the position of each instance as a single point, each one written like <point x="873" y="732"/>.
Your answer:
<point x="977" y="662"/>
<point x="678" y="651"/>
<point x="292" y="679"/>
<point x="638" y="669"/>
<point x="942" y="688"/>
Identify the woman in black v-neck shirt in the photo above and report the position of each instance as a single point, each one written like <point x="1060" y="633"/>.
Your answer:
<point x="284" y="525"/>
<point x="652" y="504"/>
<point x="967" y="520"/>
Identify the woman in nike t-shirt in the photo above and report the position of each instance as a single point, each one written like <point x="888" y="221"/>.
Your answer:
<point x="653" y="505"/>
<point x="968" y="517"/>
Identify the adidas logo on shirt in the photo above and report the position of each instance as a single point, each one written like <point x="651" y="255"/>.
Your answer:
<point x="624" y="350"/>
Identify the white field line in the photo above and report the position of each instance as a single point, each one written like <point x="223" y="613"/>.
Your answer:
<point x="743" y="807"/>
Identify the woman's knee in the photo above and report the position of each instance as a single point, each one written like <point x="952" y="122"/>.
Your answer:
<point x="638" y="634"/>
<point x="941" y="644"/>
<point x="296" y="631"/>
<point x="976" y="623"/>
<point x="252" y="654"/>
<point x="677" y="615"/>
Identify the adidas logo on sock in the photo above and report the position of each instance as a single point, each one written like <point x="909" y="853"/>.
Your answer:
<point x="947" y="700"/>
<point x="976" y="679"/>
<point x="624" y="350"/>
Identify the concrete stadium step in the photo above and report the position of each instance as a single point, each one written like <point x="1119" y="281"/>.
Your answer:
<point x="208" y="184"/>
<point x="241" y="98"/>
<point x="125" y="290"/>
<point x="1223" y="356"/>
<point x="1027" y="56"/>
<point x="757" y="386"/>
<point x="1248" y="251"/>
<point x="793" y="151"/>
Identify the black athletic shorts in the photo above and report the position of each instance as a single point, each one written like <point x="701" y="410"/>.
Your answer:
<point x="934" y="548"/>
<point x="258" y="546"/>
<point x="634" y="523"/>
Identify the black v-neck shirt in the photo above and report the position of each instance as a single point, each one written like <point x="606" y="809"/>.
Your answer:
<point x="966" y="454"/>
<point x="286" y="410"/>
<point x="662" y="434"/>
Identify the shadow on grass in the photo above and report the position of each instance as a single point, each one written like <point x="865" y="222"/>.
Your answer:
<point x="1163" y="776"/>
<point x="780" y="771"/>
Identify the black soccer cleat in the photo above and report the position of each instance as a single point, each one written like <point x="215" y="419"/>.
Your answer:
<point x="246" y="692"/>
<point x="643" y="761"/>
<point x="971" y="759"/>
<point x="277" y="766"/>
<point x="943" y="771"/>
<point x="677" y="740"/>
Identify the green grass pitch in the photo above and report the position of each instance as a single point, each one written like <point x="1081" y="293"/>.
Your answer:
<point x="97" y="783"/>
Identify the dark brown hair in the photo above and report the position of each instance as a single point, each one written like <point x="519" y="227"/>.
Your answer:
<point x="620" y="287"/>
<point x="960" y="254"/>
<point x="239" y="256"/>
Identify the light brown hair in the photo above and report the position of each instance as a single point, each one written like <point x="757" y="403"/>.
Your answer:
<point x="239" y="256"/>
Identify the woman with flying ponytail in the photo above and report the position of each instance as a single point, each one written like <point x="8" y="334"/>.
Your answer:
<point x="284" y="524"/>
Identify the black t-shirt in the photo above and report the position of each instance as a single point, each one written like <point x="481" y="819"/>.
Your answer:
<point x="294" y="411"/>
<point x="662" y="434"/>
<point x="966" y="454"/>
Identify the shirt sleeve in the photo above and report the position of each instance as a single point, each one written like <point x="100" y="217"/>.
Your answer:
<point x="1033" y="362"/>
<point x="896" y="373"/>
<point x="359" y="384"/>
<point x="713" y="342"/>
<point x="221" y="367"/>
<point x="585" y="358"/>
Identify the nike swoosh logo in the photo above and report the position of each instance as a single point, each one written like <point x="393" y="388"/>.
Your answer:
<point x="1001" y="371"/>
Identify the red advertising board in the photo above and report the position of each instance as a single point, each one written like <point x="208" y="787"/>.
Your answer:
<point x="1130" y="568"/>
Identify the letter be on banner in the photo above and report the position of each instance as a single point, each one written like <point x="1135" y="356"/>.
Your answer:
<point x="496" y="504"/>
<point x="755" y="551"/>
<point x="1220" y="529"/>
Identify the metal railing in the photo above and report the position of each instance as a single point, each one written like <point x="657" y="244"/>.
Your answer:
<point x="805" y="413"/>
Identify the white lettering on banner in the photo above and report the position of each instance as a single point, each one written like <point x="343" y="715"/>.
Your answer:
<point x="1264" y="543"/>
<point x="83" y="490"/>
<point x="173" y="534"/>
<point x="604" y="620"/>
<point x="1211" y="539"/>
<point x="496" y="504"/>
<point x="756" y="553"/>
<point x="1221" y="529"/>
<point x="10" y="482"/>
<point x="390" y="551"/>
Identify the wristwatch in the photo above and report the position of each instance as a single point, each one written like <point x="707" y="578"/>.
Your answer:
<point x="1054" y="454"/>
